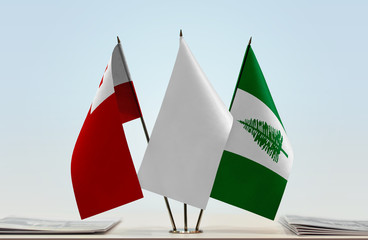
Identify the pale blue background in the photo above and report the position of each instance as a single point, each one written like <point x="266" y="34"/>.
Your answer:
<point x="313" y="55"/>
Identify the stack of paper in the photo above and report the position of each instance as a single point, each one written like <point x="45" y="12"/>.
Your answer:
<point x="322" y="226"/>
<point x="42" y="226"/>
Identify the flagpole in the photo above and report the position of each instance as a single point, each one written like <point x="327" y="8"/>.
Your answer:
<point x="145" y="130"/>
<point x="185" y="205"/>
<point x="185" y="218"/>
<point x="237" y="83"/>
<point x="170" y="213"/>
<point x="199" y="220"/>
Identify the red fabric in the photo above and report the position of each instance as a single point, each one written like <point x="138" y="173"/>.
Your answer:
<point x="102" y="169"/>
<point x="103" y="77"/>
<point x="127" y="101"/>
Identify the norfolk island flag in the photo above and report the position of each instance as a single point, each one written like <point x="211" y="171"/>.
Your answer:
<point x="257" y="159"/>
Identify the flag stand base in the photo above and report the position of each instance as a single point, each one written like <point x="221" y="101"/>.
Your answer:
<point x="186" y="230"/>
<point x="182" y="231"/>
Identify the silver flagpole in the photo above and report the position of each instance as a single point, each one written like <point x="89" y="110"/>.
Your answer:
<point x="145" y="130"/>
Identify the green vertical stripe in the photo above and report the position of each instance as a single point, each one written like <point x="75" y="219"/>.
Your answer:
<point x="248" y="185"/>
<point x="237" y="83"/>
<point x="251" y="80"/>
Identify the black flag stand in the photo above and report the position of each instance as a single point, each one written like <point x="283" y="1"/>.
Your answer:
<point x="145" y="132"/>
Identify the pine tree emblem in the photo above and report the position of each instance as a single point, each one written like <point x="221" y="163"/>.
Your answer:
<point x="267" y="137"/>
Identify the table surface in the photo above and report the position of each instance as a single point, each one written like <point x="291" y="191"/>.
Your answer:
<point x="214" y="227"/>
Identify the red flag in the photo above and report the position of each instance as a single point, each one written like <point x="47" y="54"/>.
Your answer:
<point x="102" y="169"/>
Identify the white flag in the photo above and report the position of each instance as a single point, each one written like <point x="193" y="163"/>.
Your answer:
<point x="188" y="138"/>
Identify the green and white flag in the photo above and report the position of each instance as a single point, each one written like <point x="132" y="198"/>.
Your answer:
<point x="257" y="159"/>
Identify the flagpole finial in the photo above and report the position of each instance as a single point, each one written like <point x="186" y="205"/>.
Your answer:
<point x="250" y="41"/>
<point x="118" y="39"/>
<point x="181" y="33"/>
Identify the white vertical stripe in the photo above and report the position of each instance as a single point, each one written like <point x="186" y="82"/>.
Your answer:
<point x="105" y="90"/>
<point x="119" y="71"/>
<point x="241" y="142"/>
<point x="114" y="75"/>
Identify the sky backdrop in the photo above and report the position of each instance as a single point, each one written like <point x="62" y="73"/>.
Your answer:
<point x="313" y="55"/>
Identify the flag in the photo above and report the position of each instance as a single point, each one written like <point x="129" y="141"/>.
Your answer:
<point x="257" y="159"/>
<point x="188" y="137"/>
<point x="102" y="169"/>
